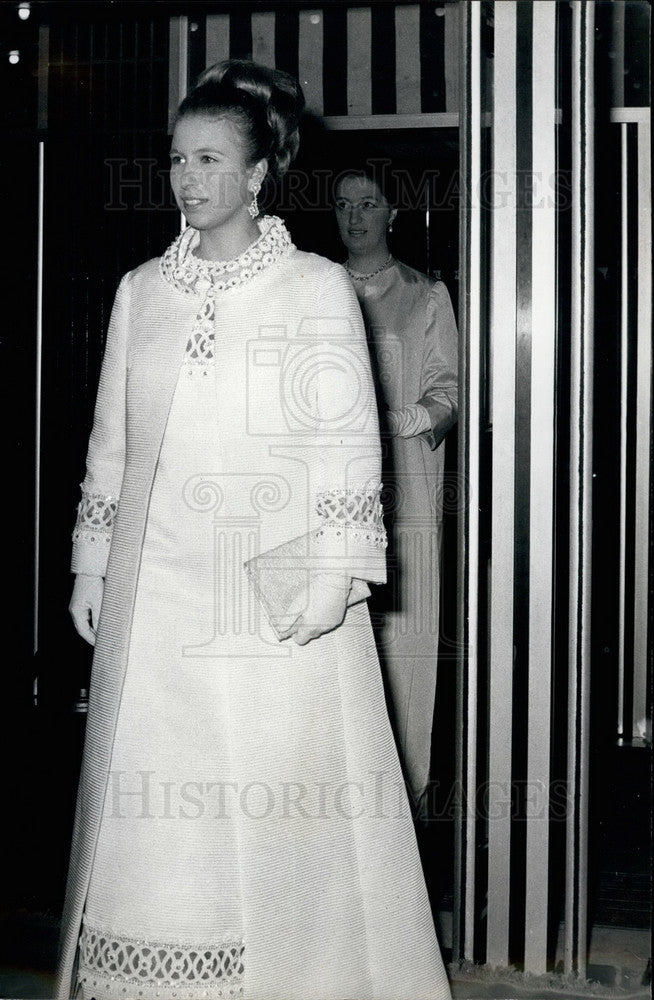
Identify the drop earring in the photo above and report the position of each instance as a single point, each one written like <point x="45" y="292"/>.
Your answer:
<point x="390" y="227"/>
<point x="253" y="207"/>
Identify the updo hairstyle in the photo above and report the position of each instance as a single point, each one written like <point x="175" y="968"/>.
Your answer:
<point x="263" y="104"/>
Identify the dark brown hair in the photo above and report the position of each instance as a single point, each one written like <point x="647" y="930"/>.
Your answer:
<point x="264" y="104"/>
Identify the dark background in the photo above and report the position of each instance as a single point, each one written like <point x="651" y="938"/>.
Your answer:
<point x="107" y="208"/>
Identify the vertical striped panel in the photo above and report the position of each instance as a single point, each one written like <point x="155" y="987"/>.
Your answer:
<point x="581" y="442"/>
<point x="310" y="57"/>
<point x="359" y="62"/>
<point x="390" y="59"/>
<point x="643" y="418"/>
<point x="407" y="59"/>
<point x="217" y="38"/>
<point x="263" y="38"/>
<point x="541" y="506"/>
<point x="470" y="352"/>
<point x="451" y="57"/>
<point x="502" y="401"/>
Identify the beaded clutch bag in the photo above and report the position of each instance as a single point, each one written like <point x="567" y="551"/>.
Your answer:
<point x="281" y="576"/>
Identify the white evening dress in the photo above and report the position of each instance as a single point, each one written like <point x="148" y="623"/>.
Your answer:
<point x="256" y="839"/>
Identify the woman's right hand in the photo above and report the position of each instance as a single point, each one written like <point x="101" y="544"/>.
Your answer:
<point x="326" y="607"/>
<point x="85" y="605"/>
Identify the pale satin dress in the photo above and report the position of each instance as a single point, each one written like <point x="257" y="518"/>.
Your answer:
<point x="413" y="343"/>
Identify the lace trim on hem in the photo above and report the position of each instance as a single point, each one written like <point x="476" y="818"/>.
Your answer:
<point x="100" y="985"/>
<point x="96" y="513"/>
<point x="356" y="511"/>
<point x="132" y="967"/>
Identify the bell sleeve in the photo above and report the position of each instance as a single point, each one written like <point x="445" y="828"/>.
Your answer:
<point x="105" y="460"/>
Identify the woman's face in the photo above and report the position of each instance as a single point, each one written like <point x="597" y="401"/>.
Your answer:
<point x="209" y="174"/>
<point x="363" y="215"/>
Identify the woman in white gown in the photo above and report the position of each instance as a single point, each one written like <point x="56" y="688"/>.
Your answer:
<point x="242" y="826"/>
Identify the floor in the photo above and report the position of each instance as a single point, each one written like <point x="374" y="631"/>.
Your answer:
<point x="617" y="968"/>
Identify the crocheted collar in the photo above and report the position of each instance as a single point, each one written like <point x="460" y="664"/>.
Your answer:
<point x="194" y="276"/>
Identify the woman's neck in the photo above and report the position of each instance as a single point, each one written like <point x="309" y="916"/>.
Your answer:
<point x="365" y="263"/>
<point x="229" y="241"/>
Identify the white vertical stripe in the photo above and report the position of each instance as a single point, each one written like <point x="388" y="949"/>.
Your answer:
<point x="643" y="417"/>
<point x="473" y="353"/>
<point x="310" y="55"/>
<point x="359" y="61"/>
<point x="541" y="504"/>
<point x="502" y="400"/>
<point x="581" y="446"/>
<point x="452" y="55"/>
<point x="624" y="380"/>
<point x="217" y="38"/>
<point x="407" y="59"/>
<point x="263" y="38"/>
<point x="38" y="350"/>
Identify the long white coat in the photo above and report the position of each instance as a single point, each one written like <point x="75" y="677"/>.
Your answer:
<point x="298" y="317"/>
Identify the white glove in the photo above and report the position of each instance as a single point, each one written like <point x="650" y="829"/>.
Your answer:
<point x="411" y="420"/>
<point x="325" y="609"/>
<point x="85" y="605"/>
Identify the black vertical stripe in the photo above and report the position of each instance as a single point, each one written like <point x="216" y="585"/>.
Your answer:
<point x="240" y="34"/>
<point x="287" y="33"/>
<point x="580" y="860"/>
<point x="197" y="47"/>
<point x="334" y="65"/>
<point x="637" y="81"/>
<point x="524" y="250"/>
<point x="432" y="58"/>
<point x="630" y="361"/>
<point x="383" y="59"/>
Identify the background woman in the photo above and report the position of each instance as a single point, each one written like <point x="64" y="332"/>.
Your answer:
<point x="241" y="826"/>
<point x="413" y="341"/>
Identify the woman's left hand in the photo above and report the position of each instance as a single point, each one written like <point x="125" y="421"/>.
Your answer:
<point x="325" y="609"/>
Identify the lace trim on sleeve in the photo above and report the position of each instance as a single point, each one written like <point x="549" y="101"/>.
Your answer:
<point x="96" y="514"/>
<point x="356" y="511"/>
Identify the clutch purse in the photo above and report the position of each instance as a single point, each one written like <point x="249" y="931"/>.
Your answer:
<point x="280" y="579"/>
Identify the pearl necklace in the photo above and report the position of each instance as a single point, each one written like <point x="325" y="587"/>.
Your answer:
<point x="365" y="277"/>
